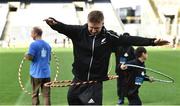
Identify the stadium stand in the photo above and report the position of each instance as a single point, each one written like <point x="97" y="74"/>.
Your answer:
<point x="22" y="21"/>
<point x="3" y="17"/>
<point x="111" y="21"/>
<point x="149" y="18"/>
<point x="168" y="13"/>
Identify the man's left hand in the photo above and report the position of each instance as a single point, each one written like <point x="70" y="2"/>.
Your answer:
<point x="160" y="42"/>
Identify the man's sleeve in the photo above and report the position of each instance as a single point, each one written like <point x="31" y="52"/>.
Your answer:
<point x="146" y="78"/>
<point x="32" y="49"/>
<point x="70" y="31"/>
<point x="127" y="40"/>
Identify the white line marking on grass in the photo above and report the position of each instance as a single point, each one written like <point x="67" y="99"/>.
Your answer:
<point x="23" y="95"/>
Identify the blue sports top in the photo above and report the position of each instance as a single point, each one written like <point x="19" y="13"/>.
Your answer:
<point x="40" y="65"/>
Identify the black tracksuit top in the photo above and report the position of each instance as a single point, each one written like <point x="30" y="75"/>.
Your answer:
<point x="92" y="53"/>
<point x="134" y="72"/>
<point x="120" y="52"/>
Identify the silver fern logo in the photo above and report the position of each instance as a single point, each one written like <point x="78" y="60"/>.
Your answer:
<point x="103" y="41"/>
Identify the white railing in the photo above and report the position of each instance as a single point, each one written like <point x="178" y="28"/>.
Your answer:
<point x="3" y="16"/>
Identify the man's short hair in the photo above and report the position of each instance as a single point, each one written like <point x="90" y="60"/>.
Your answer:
<point x="38" y="31"/>
<point x="139" y="51"/>
<point x="95" y="16"/>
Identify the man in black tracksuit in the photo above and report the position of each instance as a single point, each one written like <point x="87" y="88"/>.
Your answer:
<point x="122" y="54"/>
<point x="135" y="76"/>
<point x="92" y="46"/>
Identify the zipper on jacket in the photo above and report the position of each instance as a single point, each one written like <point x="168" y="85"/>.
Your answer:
<point x="90" y="64"/>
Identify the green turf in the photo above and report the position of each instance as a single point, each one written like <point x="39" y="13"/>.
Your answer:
<point x="165" y="60"/>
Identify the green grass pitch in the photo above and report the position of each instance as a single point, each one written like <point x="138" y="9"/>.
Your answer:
<point x="166" y="60"/>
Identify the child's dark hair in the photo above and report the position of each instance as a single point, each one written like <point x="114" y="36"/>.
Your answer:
<point x="139" y="51"/>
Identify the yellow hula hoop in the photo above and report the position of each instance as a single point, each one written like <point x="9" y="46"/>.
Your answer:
<point x="20" y="70"/>
<point x="66" y="83"/>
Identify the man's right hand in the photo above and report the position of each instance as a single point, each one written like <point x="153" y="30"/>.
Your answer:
<point x="51" y="21"/>
<point x="123" y="67"/>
